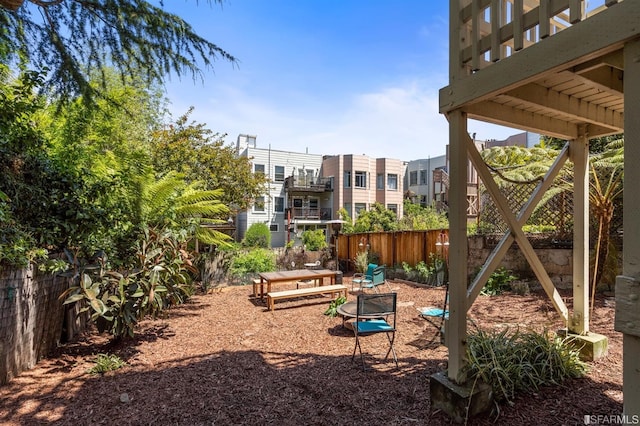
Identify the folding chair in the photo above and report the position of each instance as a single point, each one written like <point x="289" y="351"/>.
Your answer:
<point x="437" y="316"/>
<point x="372" y="317"/>
<point x="378" y="278"/>
<point x="362" y="279"/>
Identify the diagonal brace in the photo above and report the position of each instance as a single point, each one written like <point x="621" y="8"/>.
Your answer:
<point x="515" y="229"/>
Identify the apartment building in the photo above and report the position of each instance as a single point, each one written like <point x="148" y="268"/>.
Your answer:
<point x="419" y="183"/>
<point x="360" y="181"/>
<point x="306" y="191"/>
<point x="297" y="198"/>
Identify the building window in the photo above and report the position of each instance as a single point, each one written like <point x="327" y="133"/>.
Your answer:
<point x="258" y="204"/>
<point x="347" y="207"/>
<point x="379" y="181"/>
<point x="360" y="207"/>
<point x="393" y="208"/>
<point x="392" y="182"/>
<point x="413" y="178"/>
<point x="423" y="177"/>
<point x="347" y="179"/>
<point x="279" y="174"/>
<point x="273" y="227"/>
<point x="360" y="180"/>
<point x="278" y="204"/>
<point x="258" y="168"/>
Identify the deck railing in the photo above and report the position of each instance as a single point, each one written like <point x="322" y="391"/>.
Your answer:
<point x="491" y="30"/>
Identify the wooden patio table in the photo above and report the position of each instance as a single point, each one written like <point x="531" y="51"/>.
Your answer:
<point x="293" y="275"/>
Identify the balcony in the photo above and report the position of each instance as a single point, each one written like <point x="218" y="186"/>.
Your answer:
<point x="307" y="213"/>
<point x="297" y="184"/>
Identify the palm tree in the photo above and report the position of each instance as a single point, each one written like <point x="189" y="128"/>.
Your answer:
<point x="184" y="208"/>
<point x="602" y="200"/>
<point x="516" y="167"/>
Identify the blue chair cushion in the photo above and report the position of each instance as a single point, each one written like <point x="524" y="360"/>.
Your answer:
<point x="372" y="326"/>
<point x="434" y="312"/>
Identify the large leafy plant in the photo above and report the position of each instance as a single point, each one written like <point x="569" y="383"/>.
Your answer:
<point x="116" y="301"/>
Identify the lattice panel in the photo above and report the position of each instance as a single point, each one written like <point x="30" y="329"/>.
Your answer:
<point x="556" y="213"/>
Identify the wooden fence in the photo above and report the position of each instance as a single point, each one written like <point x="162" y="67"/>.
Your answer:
<point x="393" y="248"/>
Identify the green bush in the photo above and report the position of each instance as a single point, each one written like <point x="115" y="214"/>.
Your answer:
<point x="521" y="361"/>
<point x="498" y="282"/>
<point x="258" y="235"/>
<point x="332" y="310"/>
<point x="253" y="261"/>
<point x="106" y="362"/>
<point x="314" y="240"/>
<point x="162" y="277"/>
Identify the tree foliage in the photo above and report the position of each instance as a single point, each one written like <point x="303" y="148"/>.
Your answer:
<point x="376" y="219"/>
<point x="420" y="218"/>
<point x="74" y="38"/>
<point x="258" y="235"/>
<point x="201" y="154"/>
<point x="596" y="145"/>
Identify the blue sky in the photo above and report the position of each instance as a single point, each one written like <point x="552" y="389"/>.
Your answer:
<point x="325" y="76"/>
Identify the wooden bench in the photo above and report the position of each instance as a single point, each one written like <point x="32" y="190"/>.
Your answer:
<point x="308" y="291"/>
<point x="257" y="282"/>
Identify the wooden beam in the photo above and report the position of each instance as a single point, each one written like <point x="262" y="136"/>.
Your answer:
<point x="496" y="113"/>
<point x="518" y="25"/>
<point x="613" y="60"/>
<point x="606" y="32"/>
<point x="628" y="285"/>
<point x="575" y="11"/>
<point x="475" y="36"/>
<point x="572" y="106"/>
<point x="579" y="152"/>
<point x="544" y="16"/>
<point x="515" y="228"/>
<point x="607" y="79"/>
<point x="496" y="23"/>
<point x="458" y="252"/>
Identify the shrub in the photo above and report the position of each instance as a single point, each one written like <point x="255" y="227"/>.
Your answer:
<point x="332" y="310"/>
<point x="258" y="235"/>
<point x="253" y="261"/>
<point x="163" y="276"/>
<point x="498" y="282"/>
<point x="106" y="362"/>
<point x="314" y="240"/>
<point x="521" y="361"/>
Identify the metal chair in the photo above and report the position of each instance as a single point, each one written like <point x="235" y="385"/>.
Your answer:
<point x="376" y="313"/>
<point x="378" y="278"/>
<point x="362" y="279"/>
<point x="436" y="316"/>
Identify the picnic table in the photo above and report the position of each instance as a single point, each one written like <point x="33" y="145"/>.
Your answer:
<point x="293" y="275"/>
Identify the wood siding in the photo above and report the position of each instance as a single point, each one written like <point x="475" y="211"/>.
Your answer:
<point x="393" y="248"/>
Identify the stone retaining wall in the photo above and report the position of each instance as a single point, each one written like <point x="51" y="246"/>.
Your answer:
<point x="558" y="262"/>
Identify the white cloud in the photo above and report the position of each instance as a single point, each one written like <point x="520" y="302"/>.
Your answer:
<point x="399" y="121"/>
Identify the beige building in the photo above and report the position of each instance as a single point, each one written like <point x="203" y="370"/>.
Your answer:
<point x="360" y="181"/>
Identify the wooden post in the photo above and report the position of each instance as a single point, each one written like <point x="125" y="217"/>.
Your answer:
<point x="627" y="291"/>
<point x="579" y="154"/>
<point x="456" y="330"/>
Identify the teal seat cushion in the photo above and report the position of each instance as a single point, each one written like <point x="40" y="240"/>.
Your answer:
<point x="372" y="326"/>
<point x="434" y="312"/>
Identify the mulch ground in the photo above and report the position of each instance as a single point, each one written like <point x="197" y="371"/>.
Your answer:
<point x="223" y="359"/>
